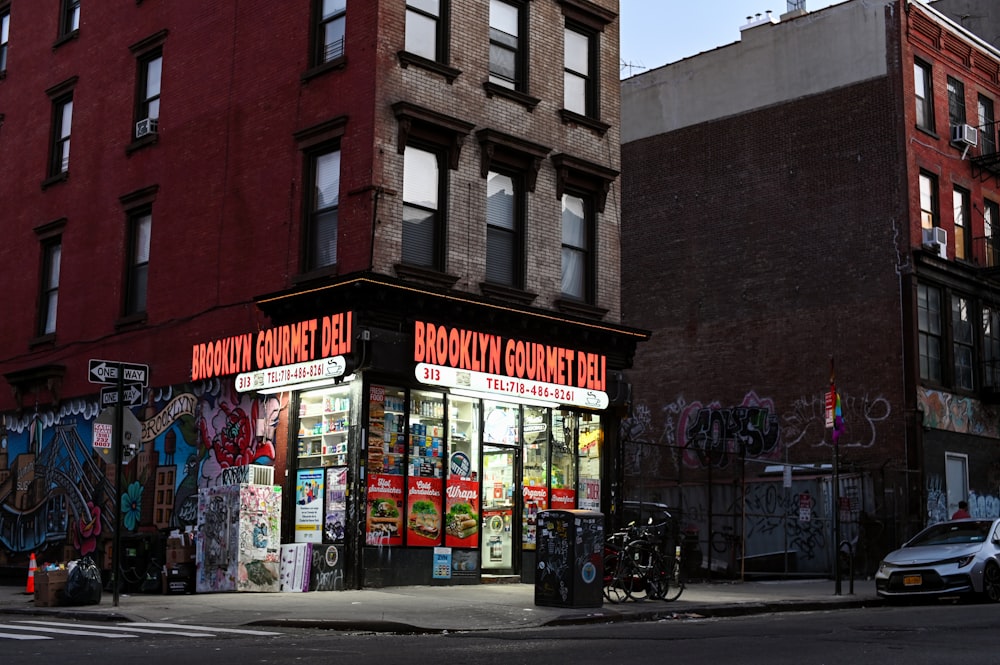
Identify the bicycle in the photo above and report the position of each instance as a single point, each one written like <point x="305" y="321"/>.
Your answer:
<point x="636" y="569"/>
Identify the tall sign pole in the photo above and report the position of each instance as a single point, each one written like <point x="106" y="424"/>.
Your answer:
<point x="116" y="446"/>
<point x="835" y="418"/>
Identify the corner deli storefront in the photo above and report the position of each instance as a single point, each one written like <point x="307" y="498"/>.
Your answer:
<point x="421" y="444"/>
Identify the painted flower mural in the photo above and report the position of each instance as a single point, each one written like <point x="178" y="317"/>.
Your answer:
<point x="86" y="530"/>
<point x="131" y="506"/>
<point x="229" y="433"/>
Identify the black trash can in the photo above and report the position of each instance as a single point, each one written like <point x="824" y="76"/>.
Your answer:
<point x="570" y="558"/>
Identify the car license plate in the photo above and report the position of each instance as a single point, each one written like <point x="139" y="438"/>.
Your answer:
<point x="912" y="580"/>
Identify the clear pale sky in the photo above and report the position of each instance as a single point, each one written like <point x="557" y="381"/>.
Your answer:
<point x="656" y="32"/>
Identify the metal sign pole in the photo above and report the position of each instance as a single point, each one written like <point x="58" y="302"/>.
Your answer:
<point x="116" y="444"/>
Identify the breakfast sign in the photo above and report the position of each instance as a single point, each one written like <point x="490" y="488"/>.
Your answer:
<point x="458" y="358"/>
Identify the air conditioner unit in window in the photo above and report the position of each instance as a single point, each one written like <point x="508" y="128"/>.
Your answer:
<point x="145" y="126"/>
<point x="936" y="240"/>
<point x="964" y="135"/>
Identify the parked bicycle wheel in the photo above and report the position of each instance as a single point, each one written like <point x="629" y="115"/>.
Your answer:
<point x="648" y="571"/>
<point x="673" y="580"/>
<point x="617" y="579"/>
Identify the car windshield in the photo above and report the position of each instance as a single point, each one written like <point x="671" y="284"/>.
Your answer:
<point x="953" y="533"/>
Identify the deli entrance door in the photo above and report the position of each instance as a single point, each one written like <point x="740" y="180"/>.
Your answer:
<point x="499" y="497"/>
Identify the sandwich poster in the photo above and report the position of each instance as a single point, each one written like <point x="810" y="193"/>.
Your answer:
<point x="462" y="513"/>
<point x="384" y="510"/>
<point x="423" y="515"/>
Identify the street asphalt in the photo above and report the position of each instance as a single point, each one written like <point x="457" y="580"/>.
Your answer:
<point x="436" y="609"/>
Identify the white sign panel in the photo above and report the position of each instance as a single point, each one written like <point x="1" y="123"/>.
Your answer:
<point x="314" y="370"/>
<point x="505" y="386"/>
<point x="102" y="435"/>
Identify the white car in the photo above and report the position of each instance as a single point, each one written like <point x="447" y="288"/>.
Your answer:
<point x="947" y="559"/>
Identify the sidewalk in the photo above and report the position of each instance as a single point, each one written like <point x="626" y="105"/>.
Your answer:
<point x="448" y="608"/>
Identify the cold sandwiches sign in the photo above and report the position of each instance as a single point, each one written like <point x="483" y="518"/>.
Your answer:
<point x="291" y="344"/>
<point x="459" y="358"/>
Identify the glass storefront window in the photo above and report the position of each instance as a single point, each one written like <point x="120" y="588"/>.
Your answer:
<point x="564" y="436"/>
<point x="425" y="469"/>
<point x="384" y="458"/>
<point x="462" y="505"/>
<point x="535" y="478"/>
<point x="501" y="423"/>
<point x="589" y="447"/>
<point x="323" y="427"/>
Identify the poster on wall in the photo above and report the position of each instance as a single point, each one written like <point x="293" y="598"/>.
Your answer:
<point x="423" y="513"/>
<point x="590" y="494"/>
<point x="309" y="506"/>
<point x="336" y="504"/>
<point x="384" y="510"/>
<point x="461" y="513"/>
<point x="563" y="499"/>
<point x="535" y="499"/>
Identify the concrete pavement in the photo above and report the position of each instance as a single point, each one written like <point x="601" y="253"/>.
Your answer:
<point x="448" y="608"/>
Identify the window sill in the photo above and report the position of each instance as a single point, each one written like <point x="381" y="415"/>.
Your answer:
<point x="426" y="275"/>
<point x="510" y="293"/>
<point x="319" y="70"/>
<point x="571" y="118"/>
<point x="139" y="144"/>
<point x="449" y="73"/>
<point x="42" y="340"/>
<point x="527" y="101"/>
<point x="315" y="275"/>
<point x="55" y="179"/>
<point x="130" y="320"/>
<point x="68" y="37"/>
<point x="580" y="308"/>
<point x="929" y="132"/>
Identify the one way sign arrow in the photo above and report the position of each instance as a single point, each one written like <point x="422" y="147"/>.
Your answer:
<point x="131" y="395"/>
<point x="106" y="371"/>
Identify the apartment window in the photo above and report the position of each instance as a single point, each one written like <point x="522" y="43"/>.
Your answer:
<point x="928" y="201"/>
<point x="322" y="227"/>
<point x="987" y="126"/>
<point x="991" y="347"/>
<point x="923" y="88"/>
<point x="330" y="20"/>
<point x="4" y="38"/>
<point x="504" y="205"/>
<point x="508" y="27"/>
<point x="48" y="300"/>
<point x="963" y="228"/>
<point x="431" y="144"/>
<point x="991" y="216"/>
<point x="62" y="125"/>
<point x="140" y="224"/>
<point x="70" y="17"/>
<point x="148" y="98"/>
<point x="962" y="342"/>
<point x="929" y="331"/>
<point x="578" y="78"/>
<point x="577" y="240"/>
<point x="956" y="102"/>
<point x="422" y="219"/>
<point x="425" y="29"/>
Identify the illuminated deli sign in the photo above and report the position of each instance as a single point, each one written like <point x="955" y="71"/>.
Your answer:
<point x="458" y="358"/>
<point x="299" y="345"/>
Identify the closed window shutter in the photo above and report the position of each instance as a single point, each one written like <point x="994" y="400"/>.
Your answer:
<point x="418" y="237"/>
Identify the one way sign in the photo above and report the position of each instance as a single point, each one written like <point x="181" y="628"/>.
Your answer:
<point x="106" y="371"/>
<point x="131" y="395"/>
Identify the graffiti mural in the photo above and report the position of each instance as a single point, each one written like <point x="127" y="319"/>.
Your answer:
<point x="57" y="492"/>
<point x="980" y="505"/>
<point x="713" y="435"/>
<point x="958" y="414"/>
<point x="806" y="422"/>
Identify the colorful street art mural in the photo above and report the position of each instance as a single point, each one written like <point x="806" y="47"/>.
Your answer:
<point x="57" y="492"/>
<point x="954" y="413"/>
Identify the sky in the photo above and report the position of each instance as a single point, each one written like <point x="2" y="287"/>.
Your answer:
<point x="656" y="32"/>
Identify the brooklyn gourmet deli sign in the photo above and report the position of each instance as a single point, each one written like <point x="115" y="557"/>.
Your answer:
<point x="506" y="366"/>
<point x="307" y="347"/>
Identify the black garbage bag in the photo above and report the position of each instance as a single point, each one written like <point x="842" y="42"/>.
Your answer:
<point x="83" y="584"/>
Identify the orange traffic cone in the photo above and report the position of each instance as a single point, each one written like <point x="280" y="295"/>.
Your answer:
<point x="31" y="576"/>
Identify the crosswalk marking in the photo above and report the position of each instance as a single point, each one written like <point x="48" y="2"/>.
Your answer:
<point x="213" y="629"/>
<point x="128" y="628"/>
<point x="11" y="636"/>
<point x="113" y="631"/>
<point x="69" y="631"/>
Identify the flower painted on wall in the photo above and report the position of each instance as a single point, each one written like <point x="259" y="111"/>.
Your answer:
<point x="87" y="529"/>
<point x="229" y="433"/>
<point x="131" y="505"/>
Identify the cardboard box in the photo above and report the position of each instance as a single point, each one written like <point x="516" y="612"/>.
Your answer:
<point x="179" y="578"/>
<point x="49" y="587"/>
<point x="179" y="555"/>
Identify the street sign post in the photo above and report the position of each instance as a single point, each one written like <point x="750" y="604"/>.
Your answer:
<point x="108" y="371"/>
<point x="131" y="395"/>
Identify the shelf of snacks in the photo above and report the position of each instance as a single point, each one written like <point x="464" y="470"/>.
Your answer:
<point x="324" y="424"/>
<point x="427" y="435"/>
<point x="386" y="439"/>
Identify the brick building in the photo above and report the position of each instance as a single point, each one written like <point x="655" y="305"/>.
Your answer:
<point x="372" y="246"/>
<point x="813" y="207"/>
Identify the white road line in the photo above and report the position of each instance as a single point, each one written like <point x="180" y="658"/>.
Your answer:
<point x="214" y="629"/>
<point x="9" y="636"/>
<point x="128" y="628"/>
<point x="67" y="631"/>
